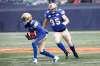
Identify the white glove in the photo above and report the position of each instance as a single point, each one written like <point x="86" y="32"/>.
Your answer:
<point x="65" y="23"/>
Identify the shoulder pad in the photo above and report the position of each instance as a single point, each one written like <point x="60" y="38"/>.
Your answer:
<point x="47" y="11"/>
<point x="61" y="11"/>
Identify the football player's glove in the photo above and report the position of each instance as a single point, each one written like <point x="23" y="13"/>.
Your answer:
<point x="30" y="35"/>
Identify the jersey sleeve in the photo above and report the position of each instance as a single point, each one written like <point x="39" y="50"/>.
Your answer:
<point x="46" y="14"/>
<point x="62" y="12"/>
<point x="34" y="24"/>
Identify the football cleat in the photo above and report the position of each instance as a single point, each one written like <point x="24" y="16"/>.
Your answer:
<point x="55" y="60"/>
<point x="76" y="55"/>
<point x="35" y="61"/>
<point x="67" y="54"/>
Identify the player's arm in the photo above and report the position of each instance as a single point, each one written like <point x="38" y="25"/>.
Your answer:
<point x="45" y="22"/>
<point x="65" y="18"/>
<point x="32" y="35"/>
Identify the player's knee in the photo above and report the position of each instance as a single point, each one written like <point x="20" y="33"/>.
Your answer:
<point x="69" y="42"/>
<point x="57" y="41"/>
<point x="34" y="44"/>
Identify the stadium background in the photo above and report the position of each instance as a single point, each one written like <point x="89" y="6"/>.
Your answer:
<point x="11" y="10"/>
<point x="15" y="49"/>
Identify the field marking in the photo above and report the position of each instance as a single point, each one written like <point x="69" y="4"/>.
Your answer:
<point x="54" y="50"/>
<point x="92" y="62"/>
<point x="50" y="62"/>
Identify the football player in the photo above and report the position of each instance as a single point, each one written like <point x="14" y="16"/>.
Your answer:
<point x="58" y="21"/>
<point x="37" y="34"/>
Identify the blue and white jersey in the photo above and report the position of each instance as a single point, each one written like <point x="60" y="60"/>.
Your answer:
<point x="56" y="20"/>
<point x="35" y="26"/>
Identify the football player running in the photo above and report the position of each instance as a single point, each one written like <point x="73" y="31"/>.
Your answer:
<point x="58" y="21"/>
<point x="37" y="34"/>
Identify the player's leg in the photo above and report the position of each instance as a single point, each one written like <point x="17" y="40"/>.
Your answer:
<point x="35" y="52"/>
<point x="43" y="51"/>
<point x="68" y="39"/>
<point x="46" y="53"/>
<point x="57" y="37"/>
<point x="35" y="45"/>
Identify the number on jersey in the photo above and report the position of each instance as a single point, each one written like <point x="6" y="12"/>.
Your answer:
<point x="55" y="21"/>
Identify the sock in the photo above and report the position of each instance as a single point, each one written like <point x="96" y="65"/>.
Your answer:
<point x="35" y="50"/>
<point x="61" y="46"/>
<point x="74" y="51"/>
<point x="47" y="54"/>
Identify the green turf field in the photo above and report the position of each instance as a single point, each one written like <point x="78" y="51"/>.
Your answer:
<point x="80" y="38"/>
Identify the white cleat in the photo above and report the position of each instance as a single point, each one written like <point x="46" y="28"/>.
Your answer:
<point x="35" y="61"/>
<point x="55" y="60"/>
